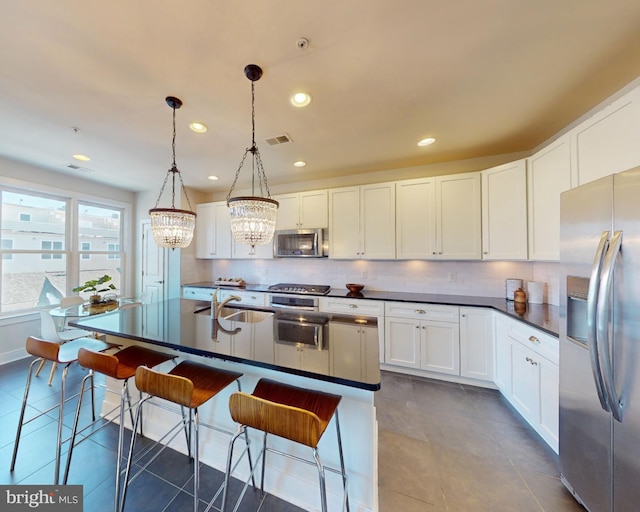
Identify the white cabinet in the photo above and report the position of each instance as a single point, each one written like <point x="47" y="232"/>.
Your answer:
<point x="249" y="298"/>
<point x="197" y="293"/>
<point x="439" y="218"/>
<point x="476" y="343"/>
<point x="304" y="210"/>
<point x="422" y="336"/>
<point x="302" y="357"/>
<point x="527" y="375"/>
<point x="362" y="222"/>
<point x="607" y="142"/>
<point x="548" y="175"/>
<point x="354" y="349"/>
<point x="504" y="212"/>
<point x="213" y="231"/>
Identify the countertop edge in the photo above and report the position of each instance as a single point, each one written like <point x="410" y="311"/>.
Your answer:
<point x="541" y="316"/>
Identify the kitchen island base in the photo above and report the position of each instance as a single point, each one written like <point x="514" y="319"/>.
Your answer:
<point x="290" y="480"/>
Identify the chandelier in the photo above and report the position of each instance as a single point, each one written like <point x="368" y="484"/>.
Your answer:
<point x="253" y="218"/>
<point x="173" y="227"/>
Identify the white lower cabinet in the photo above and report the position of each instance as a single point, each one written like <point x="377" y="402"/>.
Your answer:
<point x="527" y="374"/>
<point x="296" y="355"/>
<point x="354" y="350"/>
<point x="421" y="336"/>
<point x="476" y="343"/>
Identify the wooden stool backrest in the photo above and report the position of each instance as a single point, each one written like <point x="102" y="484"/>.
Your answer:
<point x="173" y="388"/>
<point x="281" y="420"/>
<point x="48" y="350"/>
<point x="106" y="364"/>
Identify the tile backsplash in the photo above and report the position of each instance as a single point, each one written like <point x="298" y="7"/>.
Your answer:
<point x="474" y="278"/>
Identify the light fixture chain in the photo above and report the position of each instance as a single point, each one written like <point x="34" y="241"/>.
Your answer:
<point x="262" y="175"/>
<point x="183" y="188"/>
<point x="237" y="173"/>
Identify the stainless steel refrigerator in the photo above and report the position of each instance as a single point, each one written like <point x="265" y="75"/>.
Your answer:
<point x="600" y="343"/>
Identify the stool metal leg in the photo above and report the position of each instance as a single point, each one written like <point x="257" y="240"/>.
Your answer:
<point x="321" y="477"/>
<point x="74" y="429"/>
<point x="227" y="475"/>
<point x="22" y="411"/>
<point x="196" y="456"/>
<point x="345" y="501"/>
<point x="60" y="418"/>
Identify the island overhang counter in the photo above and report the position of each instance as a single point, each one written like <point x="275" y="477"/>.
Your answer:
<point x="338" y="357"/>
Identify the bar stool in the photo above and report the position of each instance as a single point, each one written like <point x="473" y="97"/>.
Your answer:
<point x="189" y="385"/>
<point x="66" y="355"/>
<point x="297" y="414"/>
<point x="120" y="366"/>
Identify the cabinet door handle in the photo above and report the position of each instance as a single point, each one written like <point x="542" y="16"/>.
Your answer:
<point x="534" y="340"/>
<point x="531" y="361"/>
<point x="421" y="311"/>
<point x="434" y="252"/>
<point x="353" y="306"/>
<point x="485" y="252"/>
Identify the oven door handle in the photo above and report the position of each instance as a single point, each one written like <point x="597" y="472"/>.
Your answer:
<point x="301" y="308"/>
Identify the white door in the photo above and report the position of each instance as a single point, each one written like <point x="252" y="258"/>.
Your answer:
<point x="153" y="266"/>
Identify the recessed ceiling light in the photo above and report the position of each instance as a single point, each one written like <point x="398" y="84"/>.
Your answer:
<point x="427" y="141"/>
<point x="82" y="158"/>
<point x="213" y="178"/>
<point x="198" y="127"/>
<point x="299" y="163"/>
<point x="300" y="99"/>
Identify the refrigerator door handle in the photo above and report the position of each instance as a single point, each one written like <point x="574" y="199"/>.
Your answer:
<point x="603" y="314"/>
<point x="592" y="308"/>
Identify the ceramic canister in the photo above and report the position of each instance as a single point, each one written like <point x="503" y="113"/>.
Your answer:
<point x="511" y="286"/>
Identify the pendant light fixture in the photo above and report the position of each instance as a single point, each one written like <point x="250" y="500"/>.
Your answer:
<point x="253" y="218"/>
<point x="173" y="227"/>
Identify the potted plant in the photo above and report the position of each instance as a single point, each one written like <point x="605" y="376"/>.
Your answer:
<point x="97" y="286"/>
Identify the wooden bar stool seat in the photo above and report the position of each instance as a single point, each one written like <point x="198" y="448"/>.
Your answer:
<point x="188" y="385"/>
<point x="65" y="355"/>
<point x="294" y="413"/>
<point x="121" y="366"/>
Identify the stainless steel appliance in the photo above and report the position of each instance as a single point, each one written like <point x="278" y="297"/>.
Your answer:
<point x="600" y="343"/>
<point x="302" y="289"/>
<point x="303" y="328"/>
<point x="300" y="243"/>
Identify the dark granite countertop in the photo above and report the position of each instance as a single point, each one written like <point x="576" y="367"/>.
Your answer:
<point x="542" y="316"/>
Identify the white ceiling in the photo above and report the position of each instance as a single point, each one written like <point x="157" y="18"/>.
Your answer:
<point x="484" y="77"/>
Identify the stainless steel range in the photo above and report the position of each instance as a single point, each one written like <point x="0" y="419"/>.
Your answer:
<point x="300" y="289"/>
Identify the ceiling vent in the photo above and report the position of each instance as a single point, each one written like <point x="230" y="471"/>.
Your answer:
<point x="278" y="139"/>
<point x="79" y="168"/>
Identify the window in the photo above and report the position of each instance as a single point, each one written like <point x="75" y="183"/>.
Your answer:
<point x="48" y="245"/>
<point x="85" y="246"/>
<point x="7" y="245"/>
<point x="40" y="262"/>
<point x="99" y="236"/>
<point x="34" y="261"/>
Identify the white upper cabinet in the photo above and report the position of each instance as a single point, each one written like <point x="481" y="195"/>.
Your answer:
<point x="607" y="142"/>
<point x="504" y="212"/>
<point x="416" y="219"/>
<point x="362" y="222"/>
<point x="213" y="231"/>
<point x="259" y="252"/>
<point x="548" y="175"/>
<point x="439" y="218"/>
<point x="304" y="210"/>
<point x="458" y="212"/>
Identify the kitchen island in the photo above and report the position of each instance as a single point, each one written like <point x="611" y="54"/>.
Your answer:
<point x="323" y="352"/>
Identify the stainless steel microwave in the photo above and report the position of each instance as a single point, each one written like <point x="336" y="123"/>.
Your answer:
<point x="300" y="243"/>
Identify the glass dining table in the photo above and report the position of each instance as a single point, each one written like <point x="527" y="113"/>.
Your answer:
<point x="62" y="314"/>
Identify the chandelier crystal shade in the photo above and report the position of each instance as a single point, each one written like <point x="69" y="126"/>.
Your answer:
<point x="253" y="218"/>
<point x="173" y="227"/>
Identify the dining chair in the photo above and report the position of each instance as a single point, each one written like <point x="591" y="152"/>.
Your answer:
<point x="49" y="332"/>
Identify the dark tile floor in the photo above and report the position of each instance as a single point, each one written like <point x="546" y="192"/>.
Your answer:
<point x="166" y="485"/>
<point x="457" y="448"/>
<point x="443" y="447"/>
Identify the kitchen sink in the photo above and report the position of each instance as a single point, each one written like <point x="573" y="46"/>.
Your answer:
<point x="247" y="316"/>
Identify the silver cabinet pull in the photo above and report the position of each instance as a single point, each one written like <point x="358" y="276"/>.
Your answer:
<point x="421" y="311"/>
<point x="353" y="306"/>
<point x="531" y="361"/>
<point x="534" y="340"/>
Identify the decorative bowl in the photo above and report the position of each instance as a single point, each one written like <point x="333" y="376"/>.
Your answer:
<point x="353" y="287"/>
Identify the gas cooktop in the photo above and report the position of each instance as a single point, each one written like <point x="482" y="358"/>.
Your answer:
<point x="309" y="289"/>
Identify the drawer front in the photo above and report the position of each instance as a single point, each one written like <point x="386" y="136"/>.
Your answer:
<point x="419" y="311"/>
<point x="540" y="342"/>
<point x="194" y="293"/>
<point x="249" y="298"/>
<point x="352" y="306"/>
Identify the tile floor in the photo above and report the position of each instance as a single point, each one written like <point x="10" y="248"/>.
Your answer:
<point x="443" y="447"/>
<point x="457" y="448"/>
